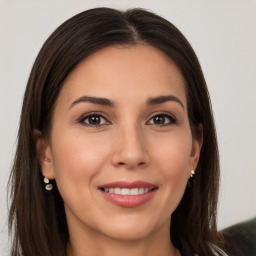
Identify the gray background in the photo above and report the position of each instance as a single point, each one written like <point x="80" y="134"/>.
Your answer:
<point x="223" y="34"/>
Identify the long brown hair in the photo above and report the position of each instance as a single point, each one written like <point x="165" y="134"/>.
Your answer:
<point x="37" y="218"/>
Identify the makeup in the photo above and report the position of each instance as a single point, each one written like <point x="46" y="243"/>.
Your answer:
<point x="128" y="194"/>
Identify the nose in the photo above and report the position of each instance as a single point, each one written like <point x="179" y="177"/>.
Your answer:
<point x="129" y="149"/>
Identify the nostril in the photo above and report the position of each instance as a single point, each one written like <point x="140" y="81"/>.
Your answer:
<point x="139" y="164"/>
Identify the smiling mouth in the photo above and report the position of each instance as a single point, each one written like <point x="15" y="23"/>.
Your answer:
<point x="128" y="194"/>
<point x="127" y="191"/>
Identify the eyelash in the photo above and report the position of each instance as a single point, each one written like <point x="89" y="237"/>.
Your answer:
<point x="83" y="118"/>
<point x="172" y="120"/>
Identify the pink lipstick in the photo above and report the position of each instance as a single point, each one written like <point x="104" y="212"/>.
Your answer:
<point x="128" y="194"/>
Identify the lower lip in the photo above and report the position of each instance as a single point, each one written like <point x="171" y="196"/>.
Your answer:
<point x="129" y="201"/>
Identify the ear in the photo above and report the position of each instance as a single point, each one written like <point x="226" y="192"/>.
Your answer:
<point x="196" y="148"/>
<point x="44" y="154"/>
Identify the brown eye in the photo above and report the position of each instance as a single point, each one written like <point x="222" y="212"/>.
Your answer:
<point x="162" y="119"/>
<point x="93" y="120"/>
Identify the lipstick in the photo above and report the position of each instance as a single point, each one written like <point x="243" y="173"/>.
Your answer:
<point x="128" y="194"/>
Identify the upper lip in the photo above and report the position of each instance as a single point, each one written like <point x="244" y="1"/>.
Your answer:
<point x="130" y="185"/>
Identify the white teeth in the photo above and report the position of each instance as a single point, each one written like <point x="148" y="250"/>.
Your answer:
<point x="141" y="191"/>
<point x="117" y="191"/>
<point x="127" y="191"/>
<point x="134" y="191"/>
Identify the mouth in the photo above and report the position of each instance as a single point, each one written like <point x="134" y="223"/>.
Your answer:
<point x="127" y="191"/>
<point x="128" y="194"/>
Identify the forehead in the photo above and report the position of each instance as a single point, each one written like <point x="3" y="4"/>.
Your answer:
<point x="125" y="72"/>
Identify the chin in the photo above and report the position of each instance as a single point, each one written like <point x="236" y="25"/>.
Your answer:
<point x="128" y="234"/>
<point x="129" y="229"/>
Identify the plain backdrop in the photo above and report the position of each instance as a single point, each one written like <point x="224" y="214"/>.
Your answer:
<point x="223" y="34"/>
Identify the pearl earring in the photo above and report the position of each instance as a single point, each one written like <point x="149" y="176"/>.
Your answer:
<point x="48" y="185"/>
<point x="191" y="178"/>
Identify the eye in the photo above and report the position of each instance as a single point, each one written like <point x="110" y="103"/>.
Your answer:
<point x="162" y="119"/>
<point x="93" y="120"/>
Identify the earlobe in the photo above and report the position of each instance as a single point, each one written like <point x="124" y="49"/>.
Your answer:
<point x="44" y="154"/>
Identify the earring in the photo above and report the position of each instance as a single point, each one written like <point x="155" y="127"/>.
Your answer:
<point x="48" y="185"/>
<point x="191" y="179"/>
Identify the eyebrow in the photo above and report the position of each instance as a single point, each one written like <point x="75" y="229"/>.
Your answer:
<point x="163" y="99"/>
<point x="110" y="103"/>
<point x="94" y="100"/>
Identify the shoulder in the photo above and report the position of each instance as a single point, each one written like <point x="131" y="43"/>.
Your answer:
<point x="187" y="250"/>
<point x="240" y="239"/>
<point x="216" y="250"/>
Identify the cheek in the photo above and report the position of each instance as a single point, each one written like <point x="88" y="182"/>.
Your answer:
<point x="172" y="160"/>
<point x="173" y="154"/>
<point x="77" y="160"/>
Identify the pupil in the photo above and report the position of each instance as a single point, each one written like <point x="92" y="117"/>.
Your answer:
<point x="94" y="120"/>
<point x="159" y="119"/>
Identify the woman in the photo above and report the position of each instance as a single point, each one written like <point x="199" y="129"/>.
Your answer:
<point x="117" y="151"/>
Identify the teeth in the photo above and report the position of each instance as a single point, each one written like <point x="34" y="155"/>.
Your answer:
<point x="127" y="191"/>
<point x="141" y="191"/>
<point x="134" y="191"/>
<point x="117" y="191"/>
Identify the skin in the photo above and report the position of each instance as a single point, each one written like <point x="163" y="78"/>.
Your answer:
<point x="128" y="145"/>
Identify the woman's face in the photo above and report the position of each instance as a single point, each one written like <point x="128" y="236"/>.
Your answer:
<point x="120" y="125"/>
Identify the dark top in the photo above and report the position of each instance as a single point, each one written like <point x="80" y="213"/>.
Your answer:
<point x="240" y="239"/>
<point x="186" y="250"/>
